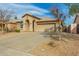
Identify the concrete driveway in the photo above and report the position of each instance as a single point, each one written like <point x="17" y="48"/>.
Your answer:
<point x="18" y="44"/>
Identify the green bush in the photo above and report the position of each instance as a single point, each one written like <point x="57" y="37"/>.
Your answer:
<point x="17" y="30"/>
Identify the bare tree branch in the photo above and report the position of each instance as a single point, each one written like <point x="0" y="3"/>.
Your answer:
<point x="5" y="16"/>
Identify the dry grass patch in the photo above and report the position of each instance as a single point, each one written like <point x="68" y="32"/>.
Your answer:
<point x="59" y="48"/>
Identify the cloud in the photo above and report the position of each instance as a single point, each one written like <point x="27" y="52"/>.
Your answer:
<point x="30" y="7"/>
<point x="25" y="8"/>
<point x="36" y="12"/>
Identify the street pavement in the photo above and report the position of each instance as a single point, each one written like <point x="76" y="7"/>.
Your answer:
<point x="19" y="44"/>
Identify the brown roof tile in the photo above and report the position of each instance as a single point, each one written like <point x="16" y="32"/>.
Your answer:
<point x="31" y="16"/>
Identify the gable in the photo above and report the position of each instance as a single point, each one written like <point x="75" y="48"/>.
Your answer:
<point x="30" y="16"/>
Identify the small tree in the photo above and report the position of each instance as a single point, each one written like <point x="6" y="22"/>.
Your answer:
<point x="61" y="18"/>
<point x="59" y="15"/>
<point x="5" y="16"/>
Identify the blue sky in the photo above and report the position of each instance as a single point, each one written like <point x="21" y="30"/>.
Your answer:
<point x="37" y="9"/>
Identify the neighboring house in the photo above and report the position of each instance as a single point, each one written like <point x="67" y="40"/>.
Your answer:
<point x="74" y="28"/>
<point x="33" y="23"/>
<point x="10" y="25"/>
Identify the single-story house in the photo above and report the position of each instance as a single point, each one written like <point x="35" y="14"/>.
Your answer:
<point x="33" y="23"/>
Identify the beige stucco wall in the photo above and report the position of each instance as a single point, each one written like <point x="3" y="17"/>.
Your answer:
<point x="73" y="28"/>
<point x="12" y="26"/>
<point x="25" y="24"/>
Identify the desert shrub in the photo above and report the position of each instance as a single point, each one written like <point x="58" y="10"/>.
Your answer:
<point x="17" y="30"/>
<point x="52" y="44"/>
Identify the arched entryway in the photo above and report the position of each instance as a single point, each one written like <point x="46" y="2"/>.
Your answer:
<point x="33" y="27"/>
<point x="27" y="25"/>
